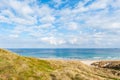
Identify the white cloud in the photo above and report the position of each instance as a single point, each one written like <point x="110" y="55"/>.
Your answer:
<point x="73" y="41"/>
<point x="47" y="25"/>
<point x="72" y="26"/>
<point x="115" y="25"/>
<point x="47" y="19"/>
<point x="99" y="4"/>
<point x="7" y="12"/>
<point x="23" y="21"/>
<point x="53" y="41"/>
<point x="14" y="36"/>
<point x="43" y="11"/>
<point x="4" y="19"/>
<point x="21" y="8"/>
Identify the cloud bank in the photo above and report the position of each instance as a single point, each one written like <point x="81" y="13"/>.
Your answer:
<point x="60" y="23"/>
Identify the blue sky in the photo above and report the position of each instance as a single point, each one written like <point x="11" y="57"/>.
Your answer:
<point x="59" y="23"/>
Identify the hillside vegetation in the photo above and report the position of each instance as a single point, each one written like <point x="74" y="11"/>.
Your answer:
<point x="16" y="67"/>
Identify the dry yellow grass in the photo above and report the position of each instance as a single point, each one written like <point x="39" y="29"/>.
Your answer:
<point x="15" y="67"/>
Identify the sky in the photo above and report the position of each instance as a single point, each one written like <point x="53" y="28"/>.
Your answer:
<point x="60" y="23"/>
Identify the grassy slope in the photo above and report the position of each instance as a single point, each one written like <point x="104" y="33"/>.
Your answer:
<point x="15" y="67"/>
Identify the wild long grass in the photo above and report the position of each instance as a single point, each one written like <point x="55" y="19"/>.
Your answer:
<point x="16" y="67"/>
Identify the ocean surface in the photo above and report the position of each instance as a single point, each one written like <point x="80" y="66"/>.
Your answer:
<point x="83" y="54"/>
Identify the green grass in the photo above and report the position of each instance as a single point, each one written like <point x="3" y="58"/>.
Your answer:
<point x="16" y="67"/>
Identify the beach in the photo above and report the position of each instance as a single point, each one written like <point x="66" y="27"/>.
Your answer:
<point x="89" y="62"/>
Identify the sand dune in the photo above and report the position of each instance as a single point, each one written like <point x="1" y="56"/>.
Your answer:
<point x="15" y="67"/>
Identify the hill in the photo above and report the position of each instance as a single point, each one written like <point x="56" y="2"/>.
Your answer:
<point x="16" y="67"/>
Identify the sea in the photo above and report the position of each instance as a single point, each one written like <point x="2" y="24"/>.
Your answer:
<point x="70" y="53"/>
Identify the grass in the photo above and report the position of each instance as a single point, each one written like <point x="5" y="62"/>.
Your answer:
<point x="16" y="67"/>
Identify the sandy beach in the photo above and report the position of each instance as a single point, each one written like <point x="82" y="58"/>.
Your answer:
<point x="88" y="62"/>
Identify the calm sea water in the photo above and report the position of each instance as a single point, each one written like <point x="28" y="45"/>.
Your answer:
<point x="90" y="54"/>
